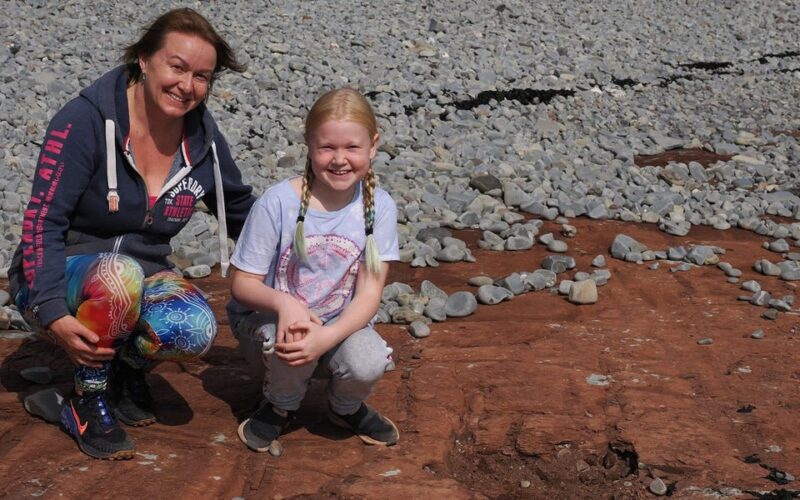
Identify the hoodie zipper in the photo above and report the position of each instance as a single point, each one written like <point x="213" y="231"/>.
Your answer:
<point x="183" y="172"/>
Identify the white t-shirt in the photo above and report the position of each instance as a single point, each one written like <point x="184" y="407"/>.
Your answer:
<point x="335" y="244"/>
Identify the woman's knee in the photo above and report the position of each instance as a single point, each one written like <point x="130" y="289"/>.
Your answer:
<point x="176" y="325"/>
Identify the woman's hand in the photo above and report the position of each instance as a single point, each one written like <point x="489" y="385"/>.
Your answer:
<point x="79" y="342"/>
<point x="313" y="341"/>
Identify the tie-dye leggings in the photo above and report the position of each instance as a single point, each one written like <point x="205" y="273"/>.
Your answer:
<point x="161" y="317"/>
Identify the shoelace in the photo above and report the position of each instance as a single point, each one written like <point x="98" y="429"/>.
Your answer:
<point x="101" y="411"/>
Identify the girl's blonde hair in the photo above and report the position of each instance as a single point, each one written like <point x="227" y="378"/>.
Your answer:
<point x="343" y="104"/>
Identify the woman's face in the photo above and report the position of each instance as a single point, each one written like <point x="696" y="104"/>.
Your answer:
<point x="178" y="74"/>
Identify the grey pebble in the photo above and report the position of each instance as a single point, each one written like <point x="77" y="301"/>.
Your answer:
<point x="418" y="329"/>
<point x="599" y="261"/>
<point x="196" y="272"/>
<point x="480" y="280"/>
<point x="657" y="487"/>
<point x="491" y="294"/>
<point x="460" y="304"/>
<point x="4" y="298"/>
<point x="758" y="334"/>
<point x="705" y="341"/>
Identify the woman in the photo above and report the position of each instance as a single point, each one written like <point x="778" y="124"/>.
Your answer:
<point x="121" y="169"/>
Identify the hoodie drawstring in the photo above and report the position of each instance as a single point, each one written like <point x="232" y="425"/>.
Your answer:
<point x="111" y="168"/>
<point x="113" y="195"/>
<point x="224" y="263"/>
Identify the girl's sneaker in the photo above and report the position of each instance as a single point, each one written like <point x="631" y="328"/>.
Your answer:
<point x="88" y="419"/>
<point x="369" y="425"/>
<point x="264" y="427"/>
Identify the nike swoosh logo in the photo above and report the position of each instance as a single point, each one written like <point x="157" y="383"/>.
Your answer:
<point x="81" y="427"/>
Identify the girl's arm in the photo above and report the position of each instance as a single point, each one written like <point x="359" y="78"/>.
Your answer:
<point x="249" y="290"/>
<point x="317" y="340"/>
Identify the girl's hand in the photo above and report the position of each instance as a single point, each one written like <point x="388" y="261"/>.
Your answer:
<point x="313" y="341"/>
<point x="79" y="342"/>
<point x="292" y="311"/>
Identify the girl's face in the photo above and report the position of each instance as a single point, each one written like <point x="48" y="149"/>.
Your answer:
<point x="341" y="152"/>
<point x="179" y="73"/>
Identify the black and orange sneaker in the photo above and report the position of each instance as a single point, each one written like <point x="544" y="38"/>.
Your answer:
<point x="88" y="419"/>
<point x="130" y="395"/>
<point x="369" y="425"/>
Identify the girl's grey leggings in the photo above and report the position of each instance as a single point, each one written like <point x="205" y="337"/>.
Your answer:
<point x="354" y="366"/>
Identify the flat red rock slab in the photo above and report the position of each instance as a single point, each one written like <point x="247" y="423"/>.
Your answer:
<point x="495" y="404"/>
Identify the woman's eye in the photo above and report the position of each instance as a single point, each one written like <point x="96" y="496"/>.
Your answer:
<point x="201" y="78"/>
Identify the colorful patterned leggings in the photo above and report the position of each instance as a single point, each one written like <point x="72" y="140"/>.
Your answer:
<point x="161" y="317"/>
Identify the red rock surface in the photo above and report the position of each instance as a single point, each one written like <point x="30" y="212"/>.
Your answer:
<point x="485" y="403"/>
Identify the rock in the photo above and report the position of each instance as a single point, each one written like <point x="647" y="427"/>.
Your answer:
<point x="517" y="243"/>
<point x="45" y="404"/>
<point x="419" y="329"/>
<point x="435" y="309"/>
<point x="5" y="319"/>
<point x="779" y="246"/>
<point x="599" y="261"/>
<point x="4" y="298"/>
<point x="557" y="246"/>
<point x="431" y="291"/>
<point x="705" y="341"/>
<point x="702" y="255"/>
<point x="485" y="183"/>
<point x="37" y="374"/>
<point x="624" y="244"/>
<point x="568" y="231"/>
<point x="540" y="279"/>
<point x="564" y="287"/>
<point x="196" y="272"/>
<point x="558" y="263"/>
<point x="451" y="253"/>
<point x="598" y="379"/>
<point x="460" y="304"/>
<point x="658" y="487"/>
<point x="760" y="298"/>
<point x="583" y="292"/>
<point x="758" y="334"/>
<point x="513" y="283"/>
<point x="480" y="281"/>
<point x="491" y="294"/>
<point x="770" y="314"/>
<point x="751" y="286"/>
<point x="275" y="448"/>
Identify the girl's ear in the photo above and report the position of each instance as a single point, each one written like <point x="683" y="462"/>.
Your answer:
<point x="373" y="150"/>
<point x="143" y="64"/>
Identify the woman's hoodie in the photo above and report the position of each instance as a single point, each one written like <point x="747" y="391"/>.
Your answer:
<point x="87" y="196"/>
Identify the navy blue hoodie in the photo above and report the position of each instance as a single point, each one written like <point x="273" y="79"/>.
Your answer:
<point x="84" y="200"/>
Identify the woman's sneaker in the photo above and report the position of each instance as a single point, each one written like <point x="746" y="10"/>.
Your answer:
<point x="130" y="395"/>
<point x="264" y="427"/>
<point x="369" y="425"/>
<point x="88" y="419"/>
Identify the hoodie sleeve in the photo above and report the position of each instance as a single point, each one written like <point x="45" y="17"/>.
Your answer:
<point x="66" y="163"/>
<point x="238" y="196"/>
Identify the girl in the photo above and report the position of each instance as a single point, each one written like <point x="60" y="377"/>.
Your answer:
<point x="310" y="267"/>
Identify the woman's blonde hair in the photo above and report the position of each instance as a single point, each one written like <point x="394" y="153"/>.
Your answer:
<point x="343" y="104"/>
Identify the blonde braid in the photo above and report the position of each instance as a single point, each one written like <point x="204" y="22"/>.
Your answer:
<point x="299" y="243"/>
<point x="372" y="257"/>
